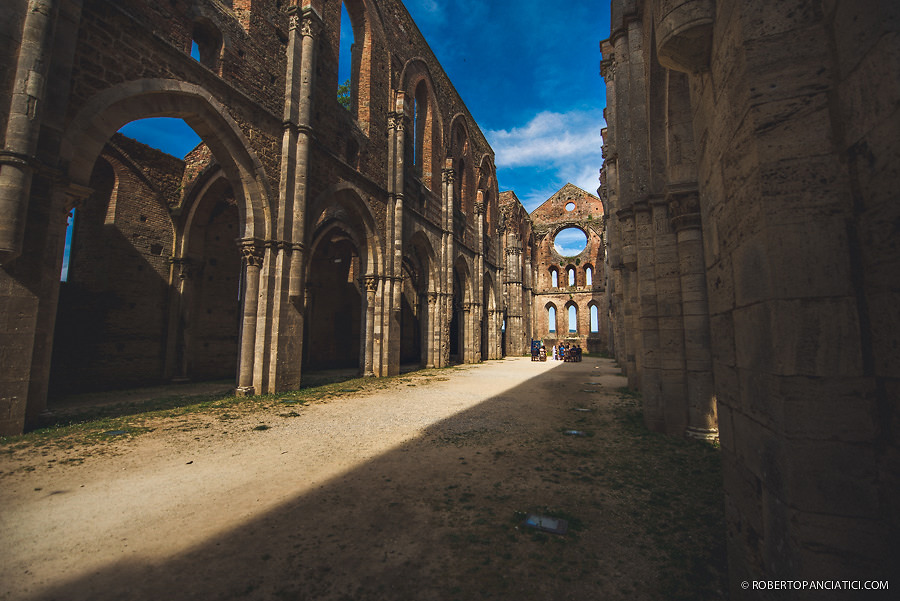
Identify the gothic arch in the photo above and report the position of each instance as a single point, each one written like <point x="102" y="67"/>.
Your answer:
<point x="552" y="318"/>
<point x="108" y="111"/>
<point x="425" y="138"/>
<point x="570" y="307"/>
<point x="459" y="152"/>
<point x="344" y="203"/>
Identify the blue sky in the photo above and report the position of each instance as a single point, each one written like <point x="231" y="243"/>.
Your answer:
<point x="528" y="70"/>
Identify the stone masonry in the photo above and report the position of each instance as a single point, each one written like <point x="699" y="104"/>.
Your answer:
<point x="579" y="284"/>
<point x="750" y="183"/>
<point x="381" y="220"/>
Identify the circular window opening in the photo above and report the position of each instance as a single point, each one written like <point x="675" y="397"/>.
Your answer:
<point x="570" y="206"/>
<point x="570" y="241"/>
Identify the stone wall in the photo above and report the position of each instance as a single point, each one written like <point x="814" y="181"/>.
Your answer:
<point x="285" y="178"/>
<point x="571" y="207"/>
<point x="748" y="168"/>
<point x="111" y="321"/>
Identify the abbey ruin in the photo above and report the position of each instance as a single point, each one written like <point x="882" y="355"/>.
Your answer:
<point x="750" y="183"/>
<point x="740" y="258"/>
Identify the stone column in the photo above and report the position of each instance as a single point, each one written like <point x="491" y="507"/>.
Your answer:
<point x="23" y="126"/>
<point x="46" y="261"/>
<point x="648" y="320"/>
<point x="396" y="236"/>
<point x="467" y="350"/>
<point x="434" y="340"/>
<point x="370" y="283"/>
<point x="527" y="301"/>
<point x="515" y="333"/>
<point x="701" y="400"/>
<point x="253" y="260"/>
<point x="670" y="326"/>
<point x="310" y="25"/>
<point x="180" y="280"/>
<point x="449" y="178"/>
<point x="478" y="279"/>
<point x="630" y="308"/>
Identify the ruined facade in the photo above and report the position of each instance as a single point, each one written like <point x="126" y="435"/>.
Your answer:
<point x="750" y="181"/>
<point x="569" y="290"/>
<point x="301" y="234"/>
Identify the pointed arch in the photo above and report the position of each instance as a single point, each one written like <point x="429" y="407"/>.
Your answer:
<point x="550" y="308"/>
<point x="367" y="27"/>
<point x="594" y="323"/>
<point x="343" y="203"/>
<point x="426" y="134"/>
<point x="106" y="112"/>
<point x="572" y="317"/>
<point x="459" y="153"/>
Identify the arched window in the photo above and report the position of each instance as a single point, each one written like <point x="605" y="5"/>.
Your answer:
<point x="571" y="273"/>
<point x="554" y="278"/>
<point x="573" y="319"/>
<point x="206" y="44"/>
<point x="588" y="276"/>
<point x="595" y="319"/>
<point x="345" y="91"/>
<point x="551" y="318"/>
<point x="422" y="140"/>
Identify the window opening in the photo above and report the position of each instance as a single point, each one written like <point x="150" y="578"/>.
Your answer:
<point x="345" y="61"/>
<point x="571" y="272"/>
<point x="573" y="319"/>
<point x="570" y="241"/>
<point x="551" y="318"/>
<point x="168" y="134"/>
<point x="588" y="276"/>
<point x="554" y="278"/>
<point x="595" y="319"/>
<point x="416" y="144"/>
<point x="67" y="251"/>
<point x="206" y="44"/>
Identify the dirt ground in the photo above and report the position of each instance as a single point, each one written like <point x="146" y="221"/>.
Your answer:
<point x="414" y="488"/>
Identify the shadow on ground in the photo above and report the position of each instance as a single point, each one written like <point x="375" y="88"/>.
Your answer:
<point x="644" y="511"/>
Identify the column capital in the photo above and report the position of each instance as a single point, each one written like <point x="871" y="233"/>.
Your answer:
<point x="397" y="121"/>
<point x="253" y="251"/>
<point x="684" y="210"/>
<point x="370" y="282"/>
<point x="310" y="24"/>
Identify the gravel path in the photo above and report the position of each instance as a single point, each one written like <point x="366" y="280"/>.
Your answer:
<point x="413" y="488"/>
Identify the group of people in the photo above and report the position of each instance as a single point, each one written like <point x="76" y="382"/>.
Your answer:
<point x="560" y="352"/>
<point x="565" y="352"/>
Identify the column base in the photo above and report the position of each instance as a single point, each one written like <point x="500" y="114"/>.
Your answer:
<point x="244" y="391"/>
<point x="707" y="435"/>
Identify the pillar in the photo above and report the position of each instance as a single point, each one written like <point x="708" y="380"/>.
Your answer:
<point x="701" y="400"/>
<point x="253" y="260"/>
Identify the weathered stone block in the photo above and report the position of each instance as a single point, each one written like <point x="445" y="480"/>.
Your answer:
<point x="793" y="127"/>
<point x="834" y="478"/>
<point x="802" y="266"/>
<point x="802" y="335"/>
<point x="829" y="408"/>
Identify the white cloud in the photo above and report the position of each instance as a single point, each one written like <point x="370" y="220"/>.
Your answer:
<point x="565" y="147"/>
<point x="548" y="137"/>
<point x="428" y="8"/>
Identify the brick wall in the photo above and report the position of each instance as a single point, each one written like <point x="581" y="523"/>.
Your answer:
<point x="112" y="313"/>
<point x="570" y="207"/>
